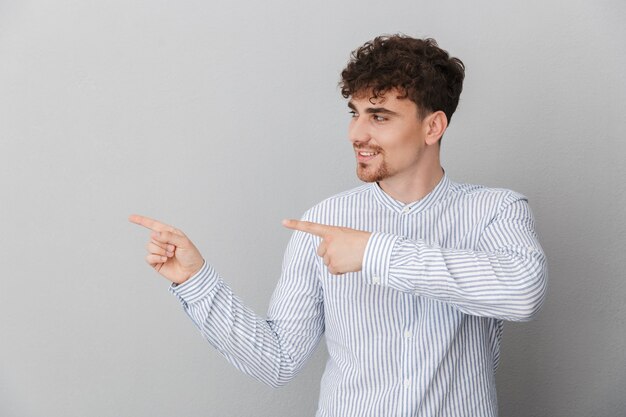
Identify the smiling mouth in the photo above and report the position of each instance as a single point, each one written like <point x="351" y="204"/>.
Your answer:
<point x="364" y="156"/>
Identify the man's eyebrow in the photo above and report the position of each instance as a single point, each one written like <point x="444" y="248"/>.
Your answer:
<point x="382" y="110"/>
<point x="373" y="110"/>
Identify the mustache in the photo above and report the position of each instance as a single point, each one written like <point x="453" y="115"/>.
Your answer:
<point x="369" y="149"/>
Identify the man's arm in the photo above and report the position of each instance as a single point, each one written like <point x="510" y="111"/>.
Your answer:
<point x="271" y="350"/>
<point x="504" y="278"/>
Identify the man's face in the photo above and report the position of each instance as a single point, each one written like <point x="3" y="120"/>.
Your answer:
<point x="387" y="136"/>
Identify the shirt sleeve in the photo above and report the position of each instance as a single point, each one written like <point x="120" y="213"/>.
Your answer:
<point x="505" y="277"/>
<point x="271" y="349"/>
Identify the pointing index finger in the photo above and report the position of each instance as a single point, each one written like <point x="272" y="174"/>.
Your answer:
<point x="316" y="229"/>
<point x="149" y="223"/>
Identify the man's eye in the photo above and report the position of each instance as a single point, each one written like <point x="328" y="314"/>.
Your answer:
<point x="352" y="113"/>
<point x="379" y="118"/>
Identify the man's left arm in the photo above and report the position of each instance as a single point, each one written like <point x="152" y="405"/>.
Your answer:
<point x="504" y="278"/>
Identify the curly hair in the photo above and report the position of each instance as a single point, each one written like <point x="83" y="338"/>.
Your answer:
<point x="418" y="68"/>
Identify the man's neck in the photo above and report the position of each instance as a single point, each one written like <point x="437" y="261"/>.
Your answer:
<point x="419" y="185"/>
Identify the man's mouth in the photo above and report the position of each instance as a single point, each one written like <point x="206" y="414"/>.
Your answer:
<point x="364" y="156"/>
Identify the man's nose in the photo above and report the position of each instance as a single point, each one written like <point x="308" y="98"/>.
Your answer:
<point x="358" y="130"/>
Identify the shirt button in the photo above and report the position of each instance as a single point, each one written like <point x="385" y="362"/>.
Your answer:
<point x="406" y="209"/>
<point x="407" y="334"/>
<point x="407" y="382"/>
<point x="376" y="279"/>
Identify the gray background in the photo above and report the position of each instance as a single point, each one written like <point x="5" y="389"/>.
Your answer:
<point x="223" y="119"/>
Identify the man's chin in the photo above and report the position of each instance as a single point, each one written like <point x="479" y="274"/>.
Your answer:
<point x="369" y="176"/>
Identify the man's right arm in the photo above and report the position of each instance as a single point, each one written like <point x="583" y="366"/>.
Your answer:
<point x="271" y="350"/>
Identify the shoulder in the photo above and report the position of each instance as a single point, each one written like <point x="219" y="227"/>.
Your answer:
<point x="493" y="196"/>
<point x="338" y="202"/>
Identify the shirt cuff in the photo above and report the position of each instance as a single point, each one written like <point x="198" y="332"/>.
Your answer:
<point x="197" y="286"/>
<point x="375" y="268"/>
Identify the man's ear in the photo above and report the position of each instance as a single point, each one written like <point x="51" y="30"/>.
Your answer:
<point x="436" y="124"/>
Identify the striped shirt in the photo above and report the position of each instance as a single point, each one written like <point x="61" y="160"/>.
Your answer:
<point x="417" y="331"/>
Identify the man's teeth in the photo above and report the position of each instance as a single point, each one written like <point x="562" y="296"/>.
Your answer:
<point x="367" y="153"/>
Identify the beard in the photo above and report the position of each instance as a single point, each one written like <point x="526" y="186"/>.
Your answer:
<point x="369" y="173"/>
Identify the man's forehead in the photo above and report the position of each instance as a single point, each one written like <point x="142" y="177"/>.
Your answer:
<point x="379" y="95"/>
<point x="369" y="96"/>
<point x="390" y="98"/>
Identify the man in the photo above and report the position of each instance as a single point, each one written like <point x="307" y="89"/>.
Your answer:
<point x="409" y="275"/>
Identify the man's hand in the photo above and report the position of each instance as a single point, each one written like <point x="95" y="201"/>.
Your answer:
<point x="342" y="248"/>
<point x="170" y="252"/>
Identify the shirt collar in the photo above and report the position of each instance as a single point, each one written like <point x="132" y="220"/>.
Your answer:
<point x="416" y="206"/>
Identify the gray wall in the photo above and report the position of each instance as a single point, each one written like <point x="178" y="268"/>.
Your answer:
<point x="222" y="119"/>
